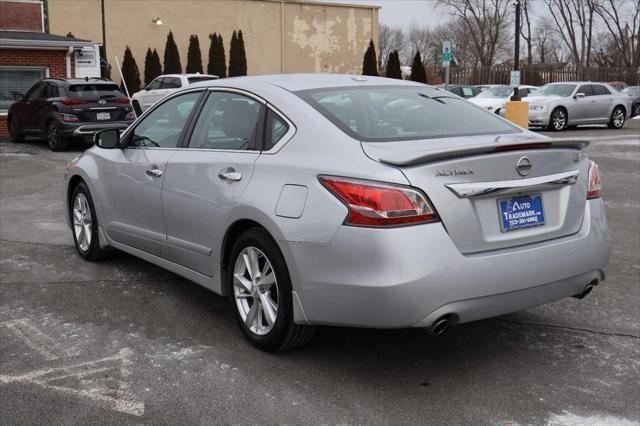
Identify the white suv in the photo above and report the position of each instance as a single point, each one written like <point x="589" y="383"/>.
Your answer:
<point x="162" y="86"/>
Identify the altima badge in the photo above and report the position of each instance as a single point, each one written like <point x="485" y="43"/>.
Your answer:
<point x="523" y="166"/>
<point x="454" y="172"/>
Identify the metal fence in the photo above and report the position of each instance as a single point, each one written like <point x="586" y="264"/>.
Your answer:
<point x="535" y="74"/>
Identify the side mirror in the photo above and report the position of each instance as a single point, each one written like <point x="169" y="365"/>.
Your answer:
<point x="18" y="97"/>
<point x="579" y="95"/>
<point x="107" y="139"/>
<point x="147" y="86"/>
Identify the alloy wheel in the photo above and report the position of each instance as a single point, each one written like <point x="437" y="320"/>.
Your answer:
<point x="82" y="222"/>
<point x="617" y="118"/>
<point x="255" y="289"/>
<point x="52" y="136"/>
<point x="559" y="119"/>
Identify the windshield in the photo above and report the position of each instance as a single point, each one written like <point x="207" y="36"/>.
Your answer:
<point x="555" y="90"/>
<point x="95" y="91"/>
<point x="393" y="113"/>
<point x="496" y="92"/>
<point x="197" y="79"/>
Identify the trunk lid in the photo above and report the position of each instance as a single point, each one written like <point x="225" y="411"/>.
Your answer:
<point x="466" y="178"/>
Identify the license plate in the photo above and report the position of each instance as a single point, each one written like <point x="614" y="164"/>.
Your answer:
<point x="103" y="116"/>
<point x="520" y="212"/>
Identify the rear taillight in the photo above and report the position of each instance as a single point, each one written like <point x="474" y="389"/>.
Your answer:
<point x="376" y="204"/>
<point x="122" y="101"/>
<point x="68" y="118"/>
<point x="595" y="184"/>
<point x="69" y="101"/>
<point x="130" y="116"/>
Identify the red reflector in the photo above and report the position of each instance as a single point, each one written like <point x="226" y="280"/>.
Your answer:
<point x="68" y="101"/>
<point x="595" y="183"/>
<point x="517" y="147"/>
<point x="378" y="204"/>
<point x="122" y="101"/>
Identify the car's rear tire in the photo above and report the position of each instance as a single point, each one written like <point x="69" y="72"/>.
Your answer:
<point x="617" y="118"/>
<point x="136" y="108"/>
<point x="84" y="224"/>
<point x="261" y="293"/>
<point x="635" y="110"/>
<point x="14" y="130"/>
<point x="55" y="140"/>
<point x="558" y="120"/>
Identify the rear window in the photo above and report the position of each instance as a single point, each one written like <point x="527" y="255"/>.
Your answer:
<point x="197" y="79"/>
<point x="393" y="113"/>
<point x="94" y="91"/>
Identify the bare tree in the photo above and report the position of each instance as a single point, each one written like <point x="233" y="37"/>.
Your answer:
<point x="391" y="38"/>
<point x="622" y="19"/>
<point x="486" y="23"/>
<point x="525" y="28"/>
<point x="420" y="39"/>
<point x="546" y="41"/>
<point x="574" y="23"/>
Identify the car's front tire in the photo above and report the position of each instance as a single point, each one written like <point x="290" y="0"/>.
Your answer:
<point x="635" y="110"/>
<point x="14" y="130"/>
<point x="617" y="118"/>
<point x="558" y="120"/>
<point x="261" y="293"/>
<point x="55" y="140"/>
<point x="84" y="223"/>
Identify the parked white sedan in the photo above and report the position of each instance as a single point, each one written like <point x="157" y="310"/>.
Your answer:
<point x="494" y="98"/>
<point x="162" y="86"/>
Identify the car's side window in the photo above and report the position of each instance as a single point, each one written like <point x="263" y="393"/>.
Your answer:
<point x="228" y="121"/>
<point x="276" y="129"/>
<point x="161" y="128"/>
<point x="586" y="89"/>
<point x="171" y="83"/>
<point x="156" y="84"/>
<point x="35" y="92"/>
<point x="600" y="90"/>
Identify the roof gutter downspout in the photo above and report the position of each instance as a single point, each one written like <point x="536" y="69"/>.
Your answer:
<point x="68" y="58"/>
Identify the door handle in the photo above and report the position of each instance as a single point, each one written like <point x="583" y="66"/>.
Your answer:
<point x="154" y="172"/>
<point x="230" y="175"/>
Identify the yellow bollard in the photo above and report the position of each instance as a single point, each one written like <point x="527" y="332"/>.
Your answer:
<point x="517" y="112"/>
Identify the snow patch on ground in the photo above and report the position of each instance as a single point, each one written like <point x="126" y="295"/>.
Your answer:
<point x="569" y="419"/>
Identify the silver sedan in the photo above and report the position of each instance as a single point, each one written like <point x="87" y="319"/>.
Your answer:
<point x="565" y="105"/>
<point x="340" y="200"/>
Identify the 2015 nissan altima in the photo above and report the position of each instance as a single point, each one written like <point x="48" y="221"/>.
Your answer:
<point x="340" y="200"/>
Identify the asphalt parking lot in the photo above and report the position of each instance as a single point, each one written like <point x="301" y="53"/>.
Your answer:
<point x="124" y="341"/>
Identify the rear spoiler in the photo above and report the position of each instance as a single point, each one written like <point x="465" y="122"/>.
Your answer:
<point x="438" y="154"/>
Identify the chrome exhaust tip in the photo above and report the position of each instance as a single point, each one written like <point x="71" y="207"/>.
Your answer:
<point x="586" y="290"/>
<point x="439" y="327"/>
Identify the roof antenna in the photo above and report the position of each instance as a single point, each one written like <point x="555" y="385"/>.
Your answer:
<point x="86" y="78"/>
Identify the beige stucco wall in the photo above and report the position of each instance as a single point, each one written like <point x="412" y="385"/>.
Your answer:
<point x="279" y="36"/>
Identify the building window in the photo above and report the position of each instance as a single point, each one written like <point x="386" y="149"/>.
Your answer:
<point x="16" y="81"/>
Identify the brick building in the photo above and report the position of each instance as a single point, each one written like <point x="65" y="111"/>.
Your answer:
<point x="28" y="53"/>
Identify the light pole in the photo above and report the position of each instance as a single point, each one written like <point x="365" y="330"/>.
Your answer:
<point x="516" y="53"/>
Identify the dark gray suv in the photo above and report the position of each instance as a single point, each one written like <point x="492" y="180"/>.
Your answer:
<point x="63" y="109"/>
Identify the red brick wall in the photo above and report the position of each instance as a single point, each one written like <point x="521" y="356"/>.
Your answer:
<point x="20" y="16"/>
<point x="55" y="60"/>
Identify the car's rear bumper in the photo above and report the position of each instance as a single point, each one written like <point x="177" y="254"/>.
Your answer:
<point x="87" y="130"/>
<point x="404" y="277"/>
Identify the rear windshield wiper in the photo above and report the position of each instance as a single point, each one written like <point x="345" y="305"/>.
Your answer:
<point x="435" y="98"/>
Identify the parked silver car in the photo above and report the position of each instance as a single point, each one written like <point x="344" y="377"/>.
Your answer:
<point x="339" y="200"/>
<point x="162" y="86"/>
<point x="561" y="105"/>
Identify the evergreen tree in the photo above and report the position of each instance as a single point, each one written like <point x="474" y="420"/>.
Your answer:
<point x="370" y="63"/>
<point x="148" y="67"/>
<point x="130" y="73"/>
<point x="172" y="63"/>
<point x="417" y="69"/>
<point x="237" y="55"/>
<point x="242" y="60"/>
<point x="194" y="57"/>
<point x="216" y="64"/>
<point x="157" y="66"/>
<point x="221" y="64"/>
<point x="393" y="66"/>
